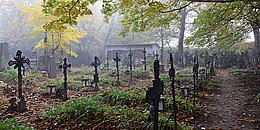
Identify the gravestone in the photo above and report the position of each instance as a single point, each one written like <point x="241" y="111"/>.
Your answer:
<point x="4" y="55"/>
<point x="43" y="63"/>
<point x="52" y="73"/>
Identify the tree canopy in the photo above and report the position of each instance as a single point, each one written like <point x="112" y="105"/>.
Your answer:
<point x="224" y="24"/>
<point x="58" y="38"/>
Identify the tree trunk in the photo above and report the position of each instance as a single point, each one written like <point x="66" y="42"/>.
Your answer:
<point x="181" y="37"/>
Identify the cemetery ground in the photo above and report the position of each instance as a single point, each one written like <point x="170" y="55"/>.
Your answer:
<point x="232" y="102"/>
<point x="228" y="100"/>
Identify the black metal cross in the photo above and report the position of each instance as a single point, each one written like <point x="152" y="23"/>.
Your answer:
<point x="117" y="59"/>
<point x="144" y="51"/>
<point x="153" y="95"/>
<point x="64" y="66"/>
<point x="107" y="62"/>
<point x="130" y="60"/>
<point x="195" y="70"/>
<point x="157" y="56"/>
<point x="172" y="75"/>
<point x="18" y="63"/>
<point x="96" y="63"/>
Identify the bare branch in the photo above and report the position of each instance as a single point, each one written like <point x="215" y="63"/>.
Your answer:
<point x="168" y="11"/>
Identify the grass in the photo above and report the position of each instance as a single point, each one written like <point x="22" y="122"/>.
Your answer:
<point x="114" y="109"/>
<point x="181" y="104"/>
<point x="186" y="70"/>
<point x="9" y="75"/>
<point x="122" y="97"/>
<point x="110" y="82"/>
<point x="12" y="124"/>
<point x="186" y="79"/>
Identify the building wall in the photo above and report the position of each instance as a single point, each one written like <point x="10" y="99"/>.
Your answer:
<point x="151" y="49"/>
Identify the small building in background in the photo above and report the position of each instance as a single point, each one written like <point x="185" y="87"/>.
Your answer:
<point x="137" y="49"/>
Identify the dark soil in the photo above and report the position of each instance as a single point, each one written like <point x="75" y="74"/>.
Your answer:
<point x="230" y="103"/>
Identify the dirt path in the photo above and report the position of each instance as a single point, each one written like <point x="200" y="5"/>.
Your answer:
<point x="230" y="103"/>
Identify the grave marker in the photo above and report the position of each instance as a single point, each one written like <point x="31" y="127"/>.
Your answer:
<point x="52" y="73"/>
<point x="107" y="59"/>
<point x="44" y="62"/>
<point x="130" y="60"/>
<point x="153" y="95"/>
<point x="144" y="51"/>
<point x="157" y="56"/>
<point x="195" y="70"/>
<point x="96" y="63"/>
<point x="4" y="54"/>
<point x="117" y="59"/>
<point x="65" y="66"/>
<point x="172" y="75"/>
<point x="19" y="62"/>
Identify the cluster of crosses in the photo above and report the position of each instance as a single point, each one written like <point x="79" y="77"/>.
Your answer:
<point x="153" y="94"/>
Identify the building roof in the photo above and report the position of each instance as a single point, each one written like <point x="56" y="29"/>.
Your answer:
<point x="149" y="44"/>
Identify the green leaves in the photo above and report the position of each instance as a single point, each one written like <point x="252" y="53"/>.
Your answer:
<point x="12" y="124"/>
<point x="221" y="25"/>
<point x="66" y="11"/>
<point x="140" y="15"/>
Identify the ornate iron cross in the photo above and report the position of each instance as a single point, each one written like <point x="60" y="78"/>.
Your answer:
<point x="18" y="63"/>
<point x="64" y="66"/>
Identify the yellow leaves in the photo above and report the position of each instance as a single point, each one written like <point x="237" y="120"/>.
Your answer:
<point x="126" y="3"/>
<point x="241" y="47"/>
<point x="36" y="18"/>
<point x="59" y="35"/>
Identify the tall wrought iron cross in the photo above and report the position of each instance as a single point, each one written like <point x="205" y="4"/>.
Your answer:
<point x="64" y="66"/>
<point x="18" y="63"/>
<point x="130" y="60"/>
<point x="144" y="51"/>
<point x="117" y="59"/>
<point x="96" y="63"/>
